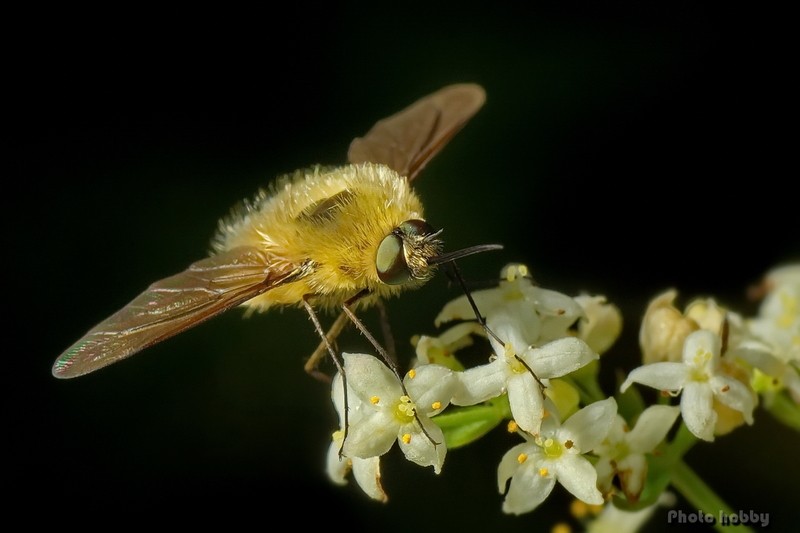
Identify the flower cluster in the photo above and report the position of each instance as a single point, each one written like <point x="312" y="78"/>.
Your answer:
<point x="539" y="376"/>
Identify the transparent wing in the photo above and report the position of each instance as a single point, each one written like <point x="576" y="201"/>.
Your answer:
<point x="205" y="289"/>
<point x="407" y="140"/>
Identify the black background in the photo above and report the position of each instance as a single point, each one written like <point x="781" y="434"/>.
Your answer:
<point x="621" y="151"/>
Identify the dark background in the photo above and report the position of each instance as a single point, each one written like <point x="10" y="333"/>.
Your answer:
<point x="621" y="151"/>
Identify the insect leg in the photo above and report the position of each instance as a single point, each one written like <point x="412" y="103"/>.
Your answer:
<point x="381" y="351"/>
<point x="339" y="366"/>
<point x="390" y="362"/>
<point x="313" y="361"/>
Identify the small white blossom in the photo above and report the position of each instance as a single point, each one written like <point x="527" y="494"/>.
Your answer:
<point x="548" y="314"/>
<point x="622" y="452"/>
<point x="514" y="366"/>
<point x="701" y="381"/>
<point x="664" y="329"/>
<point x="556" y="454"/>
<point x="440" y="350"/>
<point x="778" y="321"/>
<point x="771" y="373"/>
<point x="386" y="410"/>
<point x="602" y="322"/>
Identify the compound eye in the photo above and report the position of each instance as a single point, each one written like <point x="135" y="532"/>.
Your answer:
<point x="391" y="261"/>
<point x="415" y="227"/>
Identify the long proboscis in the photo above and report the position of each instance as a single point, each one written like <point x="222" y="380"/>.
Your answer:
<point x="464" y="252"/>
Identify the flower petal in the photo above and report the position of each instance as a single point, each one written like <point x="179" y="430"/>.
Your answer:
<point x="734" y="394"/>
<point x="661" y="376"/>
<point x="461" y="309"/>
<point x="632" y="473"/>
<point x="697" y="410"/>
<point x="431" y="384"/>
<point x="368" y="377"/>
<point x="516" y="324"/>
<point x="509" y="464"/>
<point x="605" y="474"/>
<point x="423" y="448"/>
<point x="700" y="342"/>
<point x="559" y="357"/>
<point x="588" y="427"/>
<point x="528" y="489"/>
<point x="367" y="473"/>
<point x="578" y="476"/>
<point x="526" y="401"/>
<point x="651" y="427"/>
<point x="373" y="435"/>
<point x="481" y="383"/>
<point x="337" y="467"/>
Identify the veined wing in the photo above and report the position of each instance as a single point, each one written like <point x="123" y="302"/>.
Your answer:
<point x="174" y="304"/>
<point x="407" y="140"/>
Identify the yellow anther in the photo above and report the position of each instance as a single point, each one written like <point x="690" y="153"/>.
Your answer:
<point x="521" y="458"/>
<point x="374" y="400"/>
<point x="561" y="527"/>
<point x="412" y="373"/>
<point x="406" y="438"/>
<point x="543" y="472"/>
<point x="436" y="406"/>
<point x="512" y="426"/>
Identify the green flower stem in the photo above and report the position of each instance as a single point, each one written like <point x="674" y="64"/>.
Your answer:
<point x="784" y="410"/>
<point x="702" y="497"/>
<point x="691" y="486"/>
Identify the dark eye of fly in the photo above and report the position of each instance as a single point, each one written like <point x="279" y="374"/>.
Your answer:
<point x="391" y="258"/>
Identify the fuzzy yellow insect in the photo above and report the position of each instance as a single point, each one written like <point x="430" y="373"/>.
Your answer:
<point x="326" y="238"/>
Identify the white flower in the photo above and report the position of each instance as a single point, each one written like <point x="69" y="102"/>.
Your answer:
<point x="440" y="350"/>
<point x="664" y="329"/>
<point x="602" y="322"/>
<point x="556" y="454"/>
<point x="771" y="373"/>
<point x="386" y="410"/>
<point x="700" y="379"/>
<point x="549" y="314"/>
<point x="514" y="366"/>
<point x="778" y="321"/>
<point x="365" y="471"/>
<point x="623" y="452"/>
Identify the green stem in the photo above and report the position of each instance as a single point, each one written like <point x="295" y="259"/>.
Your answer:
<point x="702" y="497"/>
<point x="784" y="410"/>
<point x="692" y="487"/>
